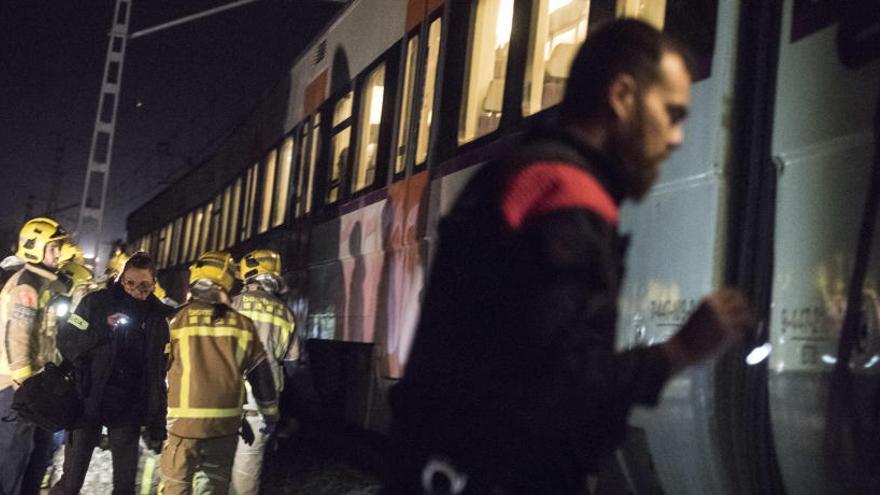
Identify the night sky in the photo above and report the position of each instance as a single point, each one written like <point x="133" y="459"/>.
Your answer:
<point x="183" y="89"/>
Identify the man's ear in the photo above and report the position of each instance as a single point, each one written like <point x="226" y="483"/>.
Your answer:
<point x="622" y="95"/>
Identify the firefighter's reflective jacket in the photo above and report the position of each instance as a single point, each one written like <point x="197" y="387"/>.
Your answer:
<point x="275" y="326"/>
<point x="27" y="324"/>
<point x="213" y="348"/>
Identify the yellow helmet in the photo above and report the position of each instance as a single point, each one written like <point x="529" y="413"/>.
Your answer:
<point x="260" y="262"/>
<point x="116" y="263"/>
<point x="76" y="272"/>
<point x="214" y="266"/>
<point x="71" y="252"/>
<point x="159" y="291"/>
<point x="35" y="235"/>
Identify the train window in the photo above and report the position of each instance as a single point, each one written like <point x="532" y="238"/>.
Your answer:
<point x="166" y="260"/>
<point x="488" y="45"/>
<point x="250" y="194"/>
<point x="198" y="227"/>
<point x="652" y="12"/>
<point x="282" y="182"/>
<point x="204" y="236"/>
<point x="268" y="190"/>
<point x="185" y="248"/>
<point x="299" y="158"/>
<point x="175" y="242"/>
<point x="224" y="218"/>
<point x="434" y="32"/>
<point x="314" y="145"/>
<point x="234" y="213"/>
<point x="217" y="212"/>
<point x="558" y="29"/>
<point x="306" y="154"/>
<point x="409" y="80"/>
<point x="340" y="141"/>
<point x="369" y="125"/>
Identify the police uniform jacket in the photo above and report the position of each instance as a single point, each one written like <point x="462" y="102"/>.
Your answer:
<point x="213" y="349"/>
<point x="122" y="380"/>
<point x="513" y="373"/>
<point x="27" y="324"/>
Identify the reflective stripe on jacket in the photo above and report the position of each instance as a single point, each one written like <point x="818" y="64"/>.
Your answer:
<point x="275" y="326"/>
<point x="213" y="348"/>
<point x="27" y="324"/>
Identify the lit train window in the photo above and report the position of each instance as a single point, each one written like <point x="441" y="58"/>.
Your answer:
<point x="165" y="245"/>
<point x="205" y="221"/>
<point x="301" y="165"/>
<point x="340" y="141"/>
<point x="558" y="29"/>
<point x="234" y="213"/>
<point x="250" y="194"/>
<point x="434" y="32"/>
<point x="409" y="81"/>
<point x="314" y="145"/>
<point x="488" y="46"/>
<point x="652" y="12"/>
<point x="188" y="242"/>
<point x="195" y="247"/>
<point x="369" y="125"/>
<point x="176" y="237"/>
<point x="282" y="182"/>
<point x="268" y="190"/>
<point x="224" y="220"/>
<point x="305" y="158"/>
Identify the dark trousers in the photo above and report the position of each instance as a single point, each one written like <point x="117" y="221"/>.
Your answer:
<point x="78" y="447"/>
<point x="24" y="451"/>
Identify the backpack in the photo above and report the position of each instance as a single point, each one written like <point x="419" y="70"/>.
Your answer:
<point x="49" y="399"/>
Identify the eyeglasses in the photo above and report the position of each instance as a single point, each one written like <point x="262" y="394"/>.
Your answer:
<point x="134" y="284"/>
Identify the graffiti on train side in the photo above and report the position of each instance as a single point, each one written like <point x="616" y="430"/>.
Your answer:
<point x="672" y="312"/>
<point x="808" y="337"/>
<point x="372" y="293"/>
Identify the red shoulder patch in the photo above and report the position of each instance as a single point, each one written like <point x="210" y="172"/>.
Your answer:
<point x="543" y="187"/>
<point x="27" y="297"/>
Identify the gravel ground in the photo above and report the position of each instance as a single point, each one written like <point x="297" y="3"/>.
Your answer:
<point x="301" y="465"/>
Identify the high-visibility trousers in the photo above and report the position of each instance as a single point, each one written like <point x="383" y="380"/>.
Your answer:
<point x="248" y="464"/>
<point x="182" y="457"/>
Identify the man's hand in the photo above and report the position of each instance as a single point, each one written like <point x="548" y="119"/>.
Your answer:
<point x="246" y="432"/>
<point x="117" y="319"/>
<point x="721" y="320"/>
<point x="154" y="439"/>
<point x="269" y="425"/>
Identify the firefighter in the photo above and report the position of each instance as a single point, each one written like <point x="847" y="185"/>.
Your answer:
<point x="259" y="301"/>
<point x="213" y="348"/>
<point x="114" y="266"/>
<point x="27" y="342"/>
<point x="71" y="252"/>
<point x="78" y="281"/>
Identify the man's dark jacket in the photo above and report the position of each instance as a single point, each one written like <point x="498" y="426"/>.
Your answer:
<point x="123" y="380"/>
<point x="513" y="374"/>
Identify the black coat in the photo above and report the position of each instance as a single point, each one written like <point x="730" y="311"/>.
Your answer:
<point x="122" y="380"/>
<point x="513" y="373"/>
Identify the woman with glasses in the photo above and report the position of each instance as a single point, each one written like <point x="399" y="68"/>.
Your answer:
<point x="116" y="340"/>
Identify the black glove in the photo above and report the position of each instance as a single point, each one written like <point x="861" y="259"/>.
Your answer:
<point x="246" y="432"/>
<point x="154" y="438"/>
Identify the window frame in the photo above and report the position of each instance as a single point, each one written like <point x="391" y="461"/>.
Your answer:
<point x="334" y="129"/>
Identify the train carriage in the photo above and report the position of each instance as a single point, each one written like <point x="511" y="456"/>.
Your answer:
<point x="346" y="166"/>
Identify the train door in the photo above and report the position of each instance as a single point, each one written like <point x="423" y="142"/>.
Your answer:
<point x="824" y="413"/>
<point x="676" y="256"/>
